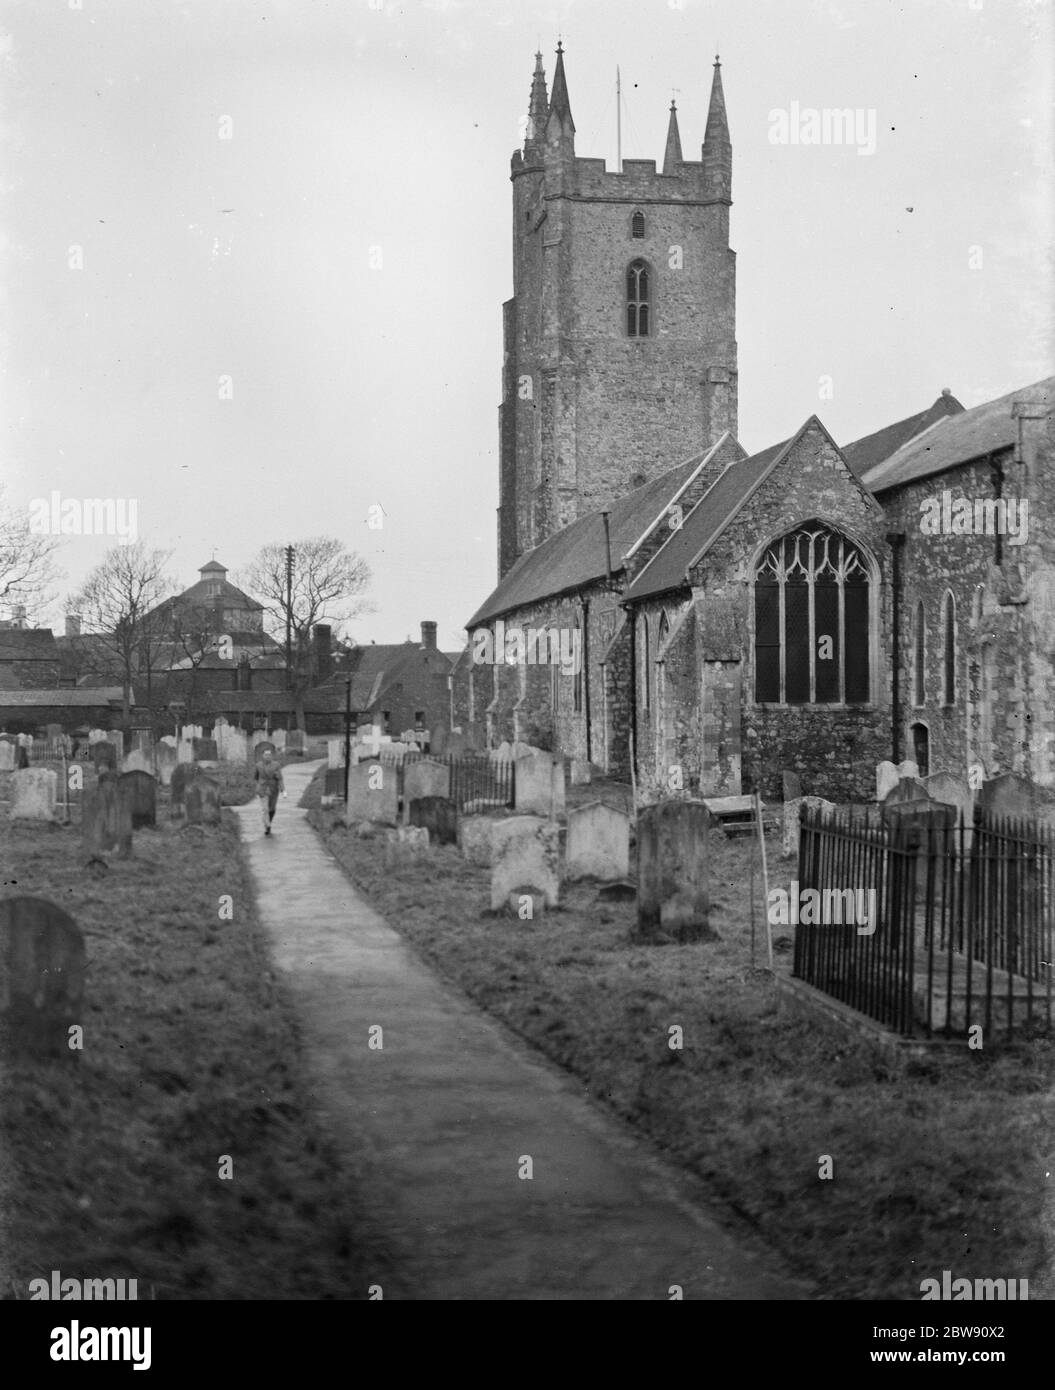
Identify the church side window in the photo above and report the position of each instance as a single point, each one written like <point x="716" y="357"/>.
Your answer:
<point x="646" y="664"/>
<point x="637" y="225"/>
<point x="812" y="636"/>
<point x="950" y="650"/>
<point x="637" y="300"/>
<point x="919" y="664"/>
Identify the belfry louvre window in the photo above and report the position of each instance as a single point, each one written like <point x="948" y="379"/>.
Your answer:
<point x="812" y="641"/>
<point x="637" y="300"/>
<point x="637" y="225"/>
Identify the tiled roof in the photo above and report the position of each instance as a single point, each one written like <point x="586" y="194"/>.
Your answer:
<point x="66" y="698"/>
<point x="577" y="554"/>
<point x="957" y="439"/>
<point x="28" y="644"/>
<point x="712" y="513"/>
<point x="865" y="453"/>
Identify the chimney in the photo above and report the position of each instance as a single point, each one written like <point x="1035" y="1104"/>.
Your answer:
<point x="428" y="636"/>
<point x="73" y="624"/>
<point x="323" y="634"/>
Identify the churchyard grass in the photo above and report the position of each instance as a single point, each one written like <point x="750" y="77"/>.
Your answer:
<point x="940" y="1165"/>
<point x="190" y="1053"/>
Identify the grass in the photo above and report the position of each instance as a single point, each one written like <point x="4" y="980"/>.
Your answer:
<point x="946" y="1165"/>
<point x="190" y="1053"/>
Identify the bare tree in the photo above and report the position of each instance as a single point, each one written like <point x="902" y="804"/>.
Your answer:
<point x="27" y="566"/>
<point x="328" y="587"/>
<point x="117" y="604"/>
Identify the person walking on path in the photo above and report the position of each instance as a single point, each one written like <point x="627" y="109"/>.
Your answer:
<point x="269" y="782"/>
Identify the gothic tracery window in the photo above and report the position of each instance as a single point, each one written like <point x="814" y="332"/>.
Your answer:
<point x="637" y="300"/>
<point x="812" y="632"/>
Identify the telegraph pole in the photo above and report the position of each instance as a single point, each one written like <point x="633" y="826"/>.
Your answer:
<point x="290" y="552"/>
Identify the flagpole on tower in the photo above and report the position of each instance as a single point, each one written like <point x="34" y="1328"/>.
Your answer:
<point x="618" y="122"/>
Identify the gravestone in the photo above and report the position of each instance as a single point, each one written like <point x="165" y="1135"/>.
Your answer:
<point x="41" y="976"/>
<point x="372" y="794"/>
<point x="539" y="785"/>
<point x="438" y="742"/>
<point x="182" y="776"/>
<point x="7" y="756"/>
<point x="672" y="892"/>
<point x="335" y="752"/>
<point x="523" y="750"/>
<point x="140" y="792"/>
<point x="1011" y="795"/>
<point x="887" y="778"/>
<point x="297" y="741"/>
<point x="438" y="815"/>
<point x="33" y="794"/>
<point x="333" y="782"/>
<point x="203" y="802"/>
<point x="581" y="772"/>
<point x="184" y="751"/>
<point x="425" y="778"/>
<point x="503" y="753"/>
<point x="525" y="852"/>
<point x="791" y="786"/>
<point x="793" y="823"/>
<point x="908" y="768"/>
<point x="137" y="761"/>
<point x="908" y="789"/>
<point x="53" y="732"/>
<point x="190" y="732"/>
<point x="260" y="736"/>
<point x="22" y="754"/>
<point x="264" y="746"/>
<point x="474" y="838"/>
<point x="205" y="750"/>
<point x="923" y="824"/>
<point x="278" y="738"/>
<point x="405" y="845"/>
<point x="96" y="736"/>
<point x="457" y="744"/>
<point x="166" y="762"/>
<point x="106" y="819"/>
<point x="104" y="754"/>
<point x="598" y="844"/>
<point x="170" y="741"/>
<point x="235" y="747"/>
<point x="953" y="791"/>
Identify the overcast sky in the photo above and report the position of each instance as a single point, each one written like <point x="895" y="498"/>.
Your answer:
<point x="356" y="125"/>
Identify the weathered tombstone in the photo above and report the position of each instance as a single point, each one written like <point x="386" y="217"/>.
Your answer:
<point x="96" y="735"/>
<point x="203" y="802"/>
<point x="205" y="750"/>
<point x="235" y="747"/>
<point x="182" y="776"/>
<point x="540" y="785"/>
<point x="297" y="741"/>
<point x="598" y="844"/>
<point x="41" y="976"/>
<point x="184" y="751"/>
<point x="264" y="746"/>
<point x="503" y="753"/>
<point x="456" y="744"/>
<point x="887" y="778"/>
<point x="33" y="794"/>
<point x="333" y="782"/>
<point x="137" y="761"/>
<point x="581" y="772"/>
<point x="372" y="794"/>
<point x="190" y="732"/>
<point x="924" y="825"/>
<point x="908" y="789"/>
<point x="791" y="786"/>
<point x="425" y="778"/>
<point x="170" y="741"/>
<point x="141" y="793"/>
<point x="106" y="818"/>
<point x="260" y="736"/>
<point x="474" y="838"/>
<point x="438" y="815"/>
<point x="440" y="739"/>
<point x="672" y="893"/>
<point x="793" y="822"/>
<point x="278" y="738"/>
<point x="1010" y="795"/>
<point x="908" y="768"/>
<point x="104" y="754"/>
<point x="523" y="750"/>
<point x="524" y="856"/>
<point x="7" y="756"/>
<point x="953" y="791"/>
<point x="335" y="752"/>
<point x="166" y="762"/>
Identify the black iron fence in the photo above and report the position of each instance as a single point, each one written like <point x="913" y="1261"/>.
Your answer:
<point x="478" y="781"/>
<point x="959" y="920"/>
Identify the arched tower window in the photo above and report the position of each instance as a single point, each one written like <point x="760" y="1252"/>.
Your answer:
<point x="919" y="664"/>
<point x="637" y="225"/>
<point x="812" y="633"/>
<point x="637" y="300"/>
<point x="950" y="650"/>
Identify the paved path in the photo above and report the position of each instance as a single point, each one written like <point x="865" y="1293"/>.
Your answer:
<point x="434" y="1126"/>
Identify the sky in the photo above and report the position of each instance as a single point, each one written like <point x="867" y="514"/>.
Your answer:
<point x="254" y="254"/>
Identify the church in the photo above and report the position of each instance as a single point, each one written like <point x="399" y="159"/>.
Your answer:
<point x="813" y="608"/>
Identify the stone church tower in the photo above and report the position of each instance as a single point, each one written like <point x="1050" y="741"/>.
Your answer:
<point x="620" y="339"/>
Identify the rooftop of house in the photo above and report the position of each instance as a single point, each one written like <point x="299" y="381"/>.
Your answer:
<point x="64" y="698"/>
<point x="28" y="644"/>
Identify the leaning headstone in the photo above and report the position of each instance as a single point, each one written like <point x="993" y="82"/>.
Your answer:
<point x="137" y="761"/>
<point x="41" y="976"/>
<point x="104" y="754"/>
<point x="438" y="815"/>
<point x="7" y="756"/>
<point x="598" y="844"/>
<point x="672" y="894"/>
<point x="426" y="778"/>
<point x="887" y="779"/>
<point x="474" y="838"/>
<point x="33" y="794"/>
<point x="792" y="786"/>
<point x="166" y="762"/>
<point x="182" y="776"/>
<point x="140" y="791"/>
<point x="264" y="746"/>
<point x="106" y="819"/>
<point x="524" y="857"/>
<point x="908" y="768"/>
<point x="203" y="802"/>
<point x="205" y="750"/>
<point x="540" y="785"/>
<point x="792" y="820"/>
<point x="372" y="794"/>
